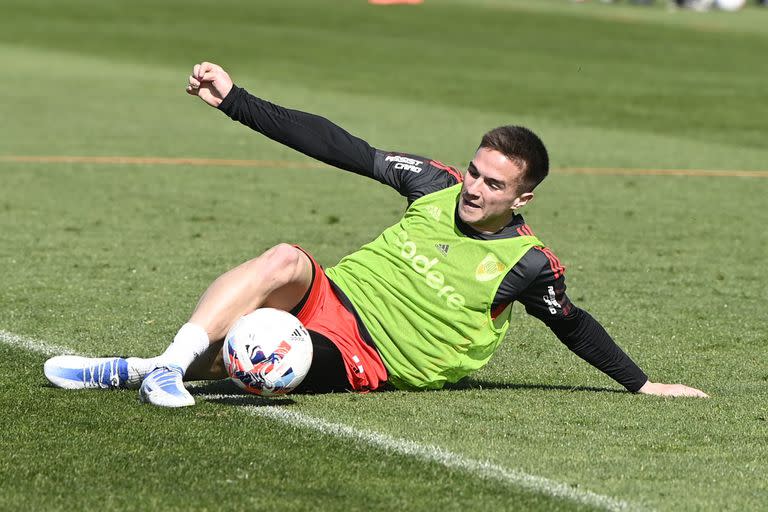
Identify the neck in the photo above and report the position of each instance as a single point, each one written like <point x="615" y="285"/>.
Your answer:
<point x="483" y="229"/>
<point x="489" y="229"/>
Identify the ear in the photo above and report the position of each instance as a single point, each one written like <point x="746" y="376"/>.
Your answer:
<point x="522" y="200"/>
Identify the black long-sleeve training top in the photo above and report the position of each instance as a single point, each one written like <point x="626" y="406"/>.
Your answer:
<point x="537" y="281"/>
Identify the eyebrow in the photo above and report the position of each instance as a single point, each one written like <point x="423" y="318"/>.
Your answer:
<point x="490" y="181"/>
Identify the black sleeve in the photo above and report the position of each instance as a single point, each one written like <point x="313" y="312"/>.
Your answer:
<point x="544" y="297"/>
<point x="312" y="135"/>
<point x="413" y="176"/>
<point x="587" y="338"/>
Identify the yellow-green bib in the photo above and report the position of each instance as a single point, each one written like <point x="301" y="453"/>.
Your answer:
<point x="424" y="291"/>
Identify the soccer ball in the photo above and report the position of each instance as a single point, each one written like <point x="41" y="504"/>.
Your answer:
<point x="267" y="352"/>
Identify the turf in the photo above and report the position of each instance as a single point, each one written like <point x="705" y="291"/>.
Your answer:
<point x="105" y="258"/>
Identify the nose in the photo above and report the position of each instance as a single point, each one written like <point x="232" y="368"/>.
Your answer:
<point x="471" y="187"/>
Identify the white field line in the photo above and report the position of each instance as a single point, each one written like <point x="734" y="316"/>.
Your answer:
<point x="428" y="453"/>
<point x="32" y="345"/>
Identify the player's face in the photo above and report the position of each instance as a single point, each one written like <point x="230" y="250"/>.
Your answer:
<point x="489" y="194"/>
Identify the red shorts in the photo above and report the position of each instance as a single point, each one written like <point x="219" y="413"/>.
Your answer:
<point x="324" y="313"/>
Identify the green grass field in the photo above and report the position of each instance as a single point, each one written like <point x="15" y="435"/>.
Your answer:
<point x="103" y="258"/>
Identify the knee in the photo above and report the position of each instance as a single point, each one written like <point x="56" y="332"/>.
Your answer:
<point x="284" y="256"/>
<point x="283" y="263"/>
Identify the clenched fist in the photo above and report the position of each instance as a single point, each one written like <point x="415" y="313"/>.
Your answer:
<point x="210" y="83"/>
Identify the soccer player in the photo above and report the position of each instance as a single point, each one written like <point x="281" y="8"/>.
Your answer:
<point x="424" y="304"/>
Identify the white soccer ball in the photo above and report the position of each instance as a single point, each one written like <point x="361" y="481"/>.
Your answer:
<point x="730" y="5"/>
<point x="267" y="352"/>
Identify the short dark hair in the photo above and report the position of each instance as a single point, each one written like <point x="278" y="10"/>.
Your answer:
<point x="523" y="147"/>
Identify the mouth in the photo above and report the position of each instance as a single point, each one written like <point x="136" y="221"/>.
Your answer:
<point x="469" y="204"/>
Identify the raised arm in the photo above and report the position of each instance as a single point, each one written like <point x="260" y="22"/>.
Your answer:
<point x="307" y="133"/>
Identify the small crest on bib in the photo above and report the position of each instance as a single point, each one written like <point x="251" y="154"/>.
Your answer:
<point x="490" y="268"/>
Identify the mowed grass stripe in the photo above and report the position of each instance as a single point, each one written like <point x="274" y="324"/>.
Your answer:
<point x="620" y="171"/>
<point x="426" y="453"/>
<point x="289" y="164"/>
<point x="150" y="160"/>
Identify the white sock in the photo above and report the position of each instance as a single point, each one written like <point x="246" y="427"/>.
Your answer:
<point x="191" y="341"/>
<point x="138" y="368"/>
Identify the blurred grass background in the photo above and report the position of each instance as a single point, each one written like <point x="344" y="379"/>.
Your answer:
<point x="111" y="258"/>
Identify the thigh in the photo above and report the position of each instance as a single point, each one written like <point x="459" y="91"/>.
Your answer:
<point x="288" y="292"/>
<point x="279" y="278"/>
<point x="298" y="275"/>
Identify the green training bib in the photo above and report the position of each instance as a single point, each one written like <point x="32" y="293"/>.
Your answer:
<point x="424" y="291"/>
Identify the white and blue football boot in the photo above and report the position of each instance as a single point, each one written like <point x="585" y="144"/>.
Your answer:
<point x="163" y="386"/>
<point x="77" y="372"/>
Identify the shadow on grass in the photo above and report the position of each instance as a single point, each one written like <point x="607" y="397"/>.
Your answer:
<point x="226" y="392"/>
<point x="484" y="384"/>
<point x="245" y="400"/>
